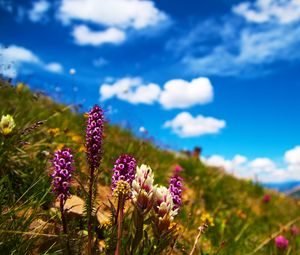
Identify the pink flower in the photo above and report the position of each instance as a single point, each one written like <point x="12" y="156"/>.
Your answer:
<point x="281" y="242"/>
<point x="177" y="169"/>
<point x="294" y="230"/>
<point x="266" y="198"/>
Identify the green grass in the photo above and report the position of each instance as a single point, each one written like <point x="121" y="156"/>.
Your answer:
<point x="242" y="222"/>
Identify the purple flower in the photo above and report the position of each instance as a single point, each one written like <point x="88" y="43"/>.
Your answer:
<point x="281" y="242"/>
<point x="294" y="230"/>
<point x="62" y="173"/>
<point x="175" y="188"/>
<point x="124" y="170"/>
<point x="94" y="136"/>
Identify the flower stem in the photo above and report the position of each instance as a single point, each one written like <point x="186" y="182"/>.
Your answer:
<point x="64" y="223"/>
<point x="120" y="222"/>
<point x="139" y="223"/>
<point x="89" y="207"/>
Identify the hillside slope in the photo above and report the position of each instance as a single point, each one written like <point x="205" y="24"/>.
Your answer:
<point x="242" y="222"/>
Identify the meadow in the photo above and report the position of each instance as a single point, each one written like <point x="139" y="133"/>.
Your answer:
<point x="215" y="213"/>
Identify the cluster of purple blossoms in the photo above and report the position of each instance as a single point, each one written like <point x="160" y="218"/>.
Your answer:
<point x="124" y="170"/>
<point x="175" y="188"/>
<point x="94" y="136"/>
<point x="62" y="173"/>
<point x="281" y="242"/>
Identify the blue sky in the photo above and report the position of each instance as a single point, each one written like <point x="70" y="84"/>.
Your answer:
<point x="222" y="74"/>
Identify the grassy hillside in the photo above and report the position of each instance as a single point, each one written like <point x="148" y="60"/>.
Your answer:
<point x="241" y="223"/>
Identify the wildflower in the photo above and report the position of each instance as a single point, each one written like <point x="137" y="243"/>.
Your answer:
<point x="175" y="188"/>
<point x="124" y="170"/>
<point x="207" y="219"/>
<point x="177" y="169"/>
<point x="94" y="139"/>
<point x="7" y="124"/>
<point x="281" y="242"/>
<point x="122" y="188"/>
<point x="266" y="198"/>
<point x="94" y="136"/>
<point x="106" y="223"/>
<point x="142" y="187"/>
<point x="123" y="175"/>
<point x="59" y="146"/>
<point x="76" y="138"/>
<point x="82" y="149"/>
<point x="164" y="208"/>
<point x="163" y="203"/>
<point x="62" y="166"/>
<point x="294" y="230"/>
<point x="21" y="87"/>
<point x="53" y="131"/>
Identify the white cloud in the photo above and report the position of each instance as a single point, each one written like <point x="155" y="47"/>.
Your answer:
<point x="182" y="94"/>
<point x="54" y="67"/>
<point x="263" y="11"/>
<point x="135" y="14"/>
<point x="262" y="164"/>
<point x="38" y="11"/>
<point x="234" y="46"/>
<point x="228" y="165"/>
<point x="263" y="169"/>
<point x="15" y="56"/>
<point x="16" y="53"/>
<point x="292" y="156"/>
<point x="239" y="159"/>
<point x="175" y="94"/>
<point x="131" y="90"/>
<point x="255" y="47"/>
<point x="84" y="36"/>
<point x="185" y="125"/>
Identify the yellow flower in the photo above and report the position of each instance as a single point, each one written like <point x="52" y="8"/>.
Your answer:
<point x="21" y="87"/>
<point x="76" y="138"/>
<point x="82" y="149"/>
<point x="106" y="224"/>
<point x="122" y="188"/>
<point x="7" y="124"/>
<point x="60" y="146"/>
<point x="53" y="131"/>
<point x="206" y="218"/>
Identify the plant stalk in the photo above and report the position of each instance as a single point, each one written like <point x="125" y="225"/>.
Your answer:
<point x="120" y="223"/>
<point x="89" y="206"/>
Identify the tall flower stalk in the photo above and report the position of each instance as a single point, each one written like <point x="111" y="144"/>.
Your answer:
<point x="61" y="182"/>
<point x="123" y="175"/>
<point x="94" y="139"/>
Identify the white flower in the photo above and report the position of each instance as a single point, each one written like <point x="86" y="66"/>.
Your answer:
<point x="163" y="203"/>
<point x="142" y="187"/>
